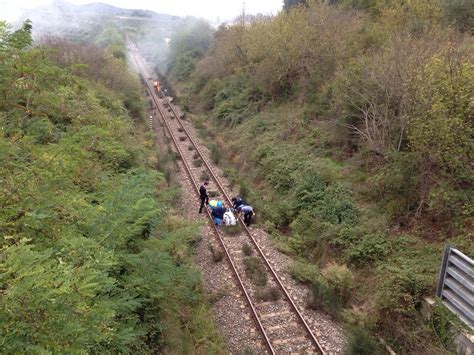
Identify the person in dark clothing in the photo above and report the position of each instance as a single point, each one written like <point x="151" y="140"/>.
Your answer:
<point x="217" y="214"/>
<point x="248" y="213"/>
<point x="237" y="201"/>
<point x="203" y="195"/>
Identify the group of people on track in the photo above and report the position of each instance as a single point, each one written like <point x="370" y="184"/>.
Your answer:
<point x="222" y="215"/>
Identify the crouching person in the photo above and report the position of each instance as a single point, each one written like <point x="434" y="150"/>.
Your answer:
<point x="217" y="214"/>
<point x="247" y="212"/>
<point x="237" y="202"/>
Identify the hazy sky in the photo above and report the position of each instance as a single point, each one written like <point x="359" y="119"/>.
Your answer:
<point x="210" y="9"/>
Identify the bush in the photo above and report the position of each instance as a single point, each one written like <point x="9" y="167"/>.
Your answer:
<point x="255" y="271"/>
<point x="204" y="176"/>
<point x="340" y="279"/>
<point x="183" y="67"/>
<point x="459" y="12"/>
<point x="395" y="185"/>
<point x="244" y="191"/>
<point x="370" y="249"/>
<point x="247" y="249"/>
<point x="233" y="104"/>
<point x="216" y="296"/>
<point x="337" y="206"/>
<point x="216" y="154"/>
<point x="231" y="174"/>
<point x="232" y="230"/>
<point x="197" y="163"/>
<point x="309" y="238"/>
<point x="346" y="236"/>
<point x="309" y="192"/>
<point x="332" y="203"/>
<point x="268" y="294"/>
<point x="442" y="322"/>
<point x="324" y="298"/>
<point x="280" y="212"/>
<point x="217" y="254"/>
<point x="304" y="272"/>
<point x="361" y="343"/>
<point x="402" y="287"/>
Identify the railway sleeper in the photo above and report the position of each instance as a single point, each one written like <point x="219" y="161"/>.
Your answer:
<point x="290" y="341"/>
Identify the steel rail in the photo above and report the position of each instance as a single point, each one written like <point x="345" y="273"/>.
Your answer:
<point x="272" y="271"/>
<point x="193" y="181"/>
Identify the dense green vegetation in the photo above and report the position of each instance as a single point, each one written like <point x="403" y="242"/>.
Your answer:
<point x="93" y="258"/>
<point x="349" y="126"/>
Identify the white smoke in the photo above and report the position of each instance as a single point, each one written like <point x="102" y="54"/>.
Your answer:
<point x="11" y="10"/>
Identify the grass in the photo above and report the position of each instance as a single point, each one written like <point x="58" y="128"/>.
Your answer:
<point x="324" y="298"/>
<point x="197" y="163"/>
<point x="216" y="296"/>
<point x="255" y="271"/>
<point x="304" y="271"/>
<point x="216" y="154"/>
<point x="204" y="176"/>
<point x="213" y="193"/>
<point x="244" y="191"/>
<point x="361" y="343"/>
<point x="247" y="249"/>
<point x="217" y="254"/>
<point x="232" y="230"/>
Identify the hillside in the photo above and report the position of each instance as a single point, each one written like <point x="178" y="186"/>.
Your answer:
<point x="94" y="258"/>
<point x="84" y="22"/>
<point x="349" y="128"/>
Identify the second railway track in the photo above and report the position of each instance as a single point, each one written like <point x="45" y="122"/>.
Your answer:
<point x="281" y="325"/>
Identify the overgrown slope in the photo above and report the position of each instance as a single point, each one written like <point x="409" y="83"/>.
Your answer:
<point x="92" y="258"/>
<point x="350" y="128"/>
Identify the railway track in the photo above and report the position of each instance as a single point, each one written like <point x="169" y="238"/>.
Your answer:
<point x="281" y="325"/>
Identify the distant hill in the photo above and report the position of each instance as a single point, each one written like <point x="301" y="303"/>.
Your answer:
<point x="92" y="9"/>
<point x="98" y="8"/>
<point x="62" y="18"/>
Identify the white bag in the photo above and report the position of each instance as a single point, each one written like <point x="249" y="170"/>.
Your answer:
<point x="229" y="219"/>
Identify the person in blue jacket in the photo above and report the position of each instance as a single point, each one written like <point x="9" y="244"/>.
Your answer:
<point x="247" y="212"/>
<point x="217" y="214"/>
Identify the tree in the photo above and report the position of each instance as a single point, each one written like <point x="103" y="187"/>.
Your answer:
<point x="440" y="124"/>
<point x="287" y="4"/>
<point x="460" y="12"/>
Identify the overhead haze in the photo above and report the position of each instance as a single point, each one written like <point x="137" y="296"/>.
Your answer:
<point x="215" y="11"/>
